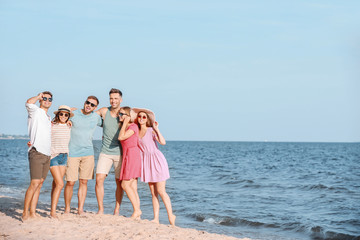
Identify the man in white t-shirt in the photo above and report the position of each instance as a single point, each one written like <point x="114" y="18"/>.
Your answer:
<point x="39" y="127"/>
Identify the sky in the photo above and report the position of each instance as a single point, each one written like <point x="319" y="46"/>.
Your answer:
<point x="265" y="70"/>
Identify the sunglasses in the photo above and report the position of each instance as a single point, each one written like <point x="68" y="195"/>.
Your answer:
<point x="47" y="99"/>
<point x="89" y="103"/>
<point x="143" y="117"/>
<point x="122" y="114"/>
<point x="63" y="114"/>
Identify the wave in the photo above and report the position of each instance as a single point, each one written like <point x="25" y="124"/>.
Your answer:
<point x="318" y="233"/>
<point x="321" y="187"/>
<point x="11" y="191"/>
<point x="238" y="181"/>
<point x="314" y="232"/>
<point x="228" y="221"/>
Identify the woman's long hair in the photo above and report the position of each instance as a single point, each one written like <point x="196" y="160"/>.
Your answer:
<point x="148" y="121"/>
<point x="56" y="119"/>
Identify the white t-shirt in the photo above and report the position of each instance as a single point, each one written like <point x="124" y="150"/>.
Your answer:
<point x="39" y="128"/>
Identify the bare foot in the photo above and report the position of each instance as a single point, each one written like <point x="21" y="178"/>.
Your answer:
<point x="53" y="215"/>
<point x="67" y="211"/>
<point x="34" y="215"/>
<point x="100" y="212"/>
<point x="155" y="221"/>
<point x="136" y="215"/>
<point x="117" y="210"/>
<point x="25" y="216"/>
<point x="172" y="218"/>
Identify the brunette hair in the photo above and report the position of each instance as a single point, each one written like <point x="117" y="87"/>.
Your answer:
<point x="56" y="119"/>
<point x="148" y="121"/>
<point x="93" y="97"/>
<point x="47" y="92"/>
<point x="115" y="90"/>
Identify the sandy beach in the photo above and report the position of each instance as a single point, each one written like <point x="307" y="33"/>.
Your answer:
<point x="88" y="226"/>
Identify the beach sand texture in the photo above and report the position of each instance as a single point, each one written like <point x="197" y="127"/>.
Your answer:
<point x="89" y="226"/>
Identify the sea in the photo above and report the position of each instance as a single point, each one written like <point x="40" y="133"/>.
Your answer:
<point x="259" y="190"/>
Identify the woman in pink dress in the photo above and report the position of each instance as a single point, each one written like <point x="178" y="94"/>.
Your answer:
<point x="154" y="169"/>
<point x="131" y="163"/>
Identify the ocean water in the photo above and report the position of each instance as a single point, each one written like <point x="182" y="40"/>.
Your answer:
<point x="260" y="190"/>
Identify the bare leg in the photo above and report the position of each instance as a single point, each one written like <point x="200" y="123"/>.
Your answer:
<point x="155" y="202"/>
<point x="69" y="188"/>
<point x="52" y="188"/>
<point x="126" y="185"/>
<point x="99" y="190"/>
<point x="160" y="188"/>
<point x="82" y="195"/>
<point x="35" y="199"/>
<point x="34" y="184"/>
<point x="58" y="173"/>
<point x="118" y="195"/>
<point x="133" y="185"/>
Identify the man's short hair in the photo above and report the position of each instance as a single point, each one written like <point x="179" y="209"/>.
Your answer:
<point x="47" y="92"/>
<point x="95" y="98"/>
<point x="115" y="90"/>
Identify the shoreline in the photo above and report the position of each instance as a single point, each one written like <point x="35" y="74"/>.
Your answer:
<point x="88" y="226"/>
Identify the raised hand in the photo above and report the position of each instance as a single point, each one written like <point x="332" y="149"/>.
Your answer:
<point x="156" y="126"/>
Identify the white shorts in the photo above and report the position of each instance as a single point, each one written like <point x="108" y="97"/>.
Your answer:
<point x="106" y="161"/>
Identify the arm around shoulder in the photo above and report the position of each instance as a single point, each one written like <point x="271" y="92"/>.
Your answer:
<point x="102" y="111"/>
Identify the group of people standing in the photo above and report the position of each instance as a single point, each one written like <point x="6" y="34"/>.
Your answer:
<point x="64" y="144"/>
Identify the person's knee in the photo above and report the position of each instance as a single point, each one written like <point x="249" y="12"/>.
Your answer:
<point x="124" y="185"/>
<point x="70" y="184"/>
<point x="161" y="191"/>
<point x="100" y="179"/>
<point x="35" y="183"/>
<point x="42" y="181"/>
<point x="83" y="181"/>
<point x="60" y="185"/>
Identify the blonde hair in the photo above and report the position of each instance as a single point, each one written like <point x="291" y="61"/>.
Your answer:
<point x="127" y="110"/>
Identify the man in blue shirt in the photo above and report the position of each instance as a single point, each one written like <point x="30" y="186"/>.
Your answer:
<point x="81" y="161"/>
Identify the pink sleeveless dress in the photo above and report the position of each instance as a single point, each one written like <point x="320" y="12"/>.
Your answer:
<point x="131" y="164"/>
<point x="154" y="166"/>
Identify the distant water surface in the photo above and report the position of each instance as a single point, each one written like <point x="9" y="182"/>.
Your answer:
<point x="244" y="189"/>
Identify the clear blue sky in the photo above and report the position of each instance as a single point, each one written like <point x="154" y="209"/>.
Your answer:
<point x="210" y="70"/>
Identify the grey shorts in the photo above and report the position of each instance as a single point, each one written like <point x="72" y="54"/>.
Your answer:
<point x="39" y="164"/>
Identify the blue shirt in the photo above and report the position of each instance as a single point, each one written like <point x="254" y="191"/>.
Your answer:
<point x="82" y="131"/>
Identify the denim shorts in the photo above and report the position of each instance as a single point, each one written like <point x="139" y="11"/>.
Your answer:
<point x="59" y="160"/>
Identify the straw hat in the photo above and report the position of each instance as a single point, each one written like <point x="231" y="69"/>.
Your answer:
<point x="149" y="113"/>
<point x="133" y="115"/>
<point x="64" y="108"/>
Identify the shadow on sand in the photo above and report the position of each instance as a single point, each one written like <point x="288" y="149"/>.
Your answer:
<point x="13" y="208"/>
